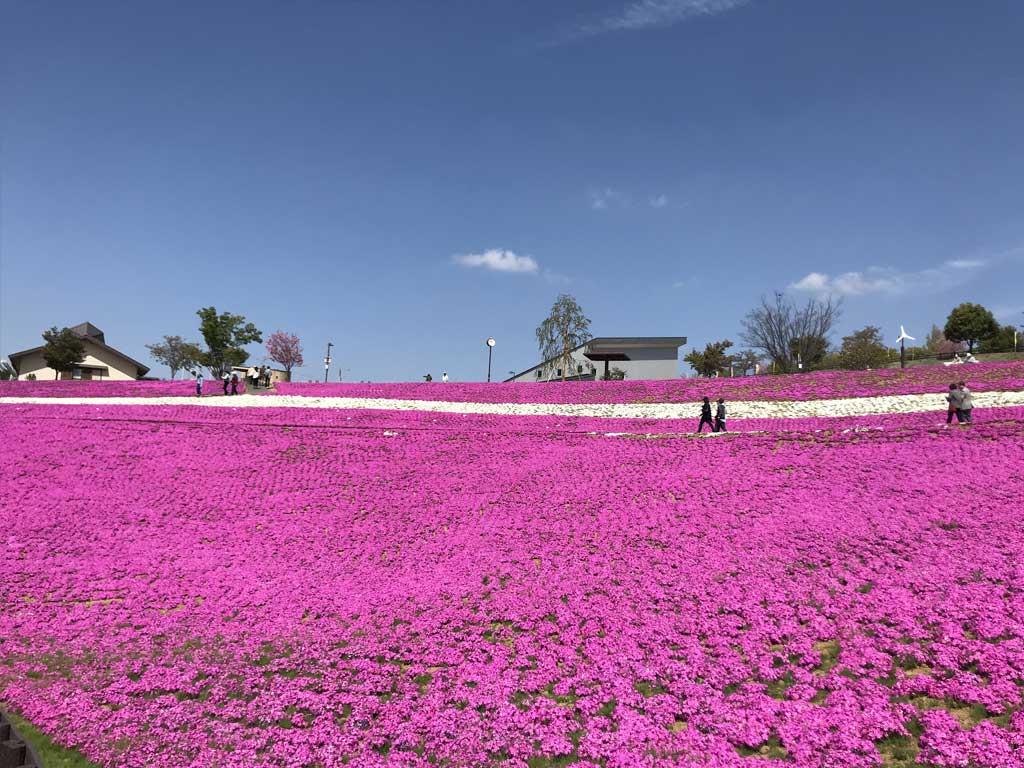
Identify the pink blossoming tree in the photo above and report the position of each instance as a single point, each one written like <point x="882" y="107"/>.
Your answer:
<point x="285" y="349"/>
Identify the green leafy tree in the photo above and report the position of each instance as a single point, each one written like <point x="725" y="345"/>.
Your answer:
<point x="712" y="360"/>
<point x="970" y="323"/>
<point x="226" y="336"/>
<point x="935" y="340"/>
<point x="63" y="350"/>
<point x="564" y="329"/>
<point x="936" y="344"/>
<point x="808" y="351"/>
<point x="1001" y="341"/>
<point x="747" y="362"/>
<point x="7" y="371"/>
<point x="863" y="349"/>
<point x="176" y="353"/>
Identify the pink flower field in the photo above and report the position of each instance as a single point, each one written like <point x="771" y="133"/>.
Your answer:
<point x="233" y="587"/>
<point x="980" y="377"/>
<point x="64" y="388"/>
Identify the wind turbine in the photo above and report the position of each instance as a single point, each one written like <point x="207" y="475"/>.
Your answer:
<point x="904" y="336"/>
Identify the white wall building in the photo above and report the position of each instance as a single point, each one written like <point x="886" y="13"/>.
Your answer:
<point x="642" y="358"/>
<point x="101" y="361"/>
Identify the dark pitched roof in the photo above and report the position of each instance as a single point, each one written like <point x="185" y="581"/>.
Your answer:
<point x="88" y="331"/>
<point x="93" y="335"/>
<point x="614" y="341"/>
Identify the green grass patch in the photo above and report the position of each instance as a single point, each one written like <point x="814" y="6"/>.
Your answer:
<point x="52" y="755"/>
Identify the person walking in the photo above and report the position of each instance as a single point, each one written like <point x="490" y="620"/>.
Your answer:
<point x="250" y="376"/>
<point x="966" y="404"/>
<point x="199" y="383"/>
<point x="705" y="416"/>
<point x="720" y="416"/>
<point x="444" y="376"/>
<point x="226" y="378"/>
<point x="953" y="399"/>
<point x="234" y="384"/>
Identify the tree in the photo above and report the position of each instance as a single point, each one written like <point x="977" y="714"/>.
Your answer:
<point x="63" y="350"/>
<point x="786" y="332"/>
<point x="808" y="351"/>
<point x="285" y="349"/>
<point x="863" y="349"/>
<point x="1001" y="341"/>
<point x="226" y="336"/>
<point x="176" y="353"/>
<point x="747" y="362"/>
<point x="934" y="340"/>
<point x="7" y="371"/>
<point x="712" y="360"/>
<point x="970" y="323"/>
<point x="562" y="331"/>
<point x="937" y="344"/>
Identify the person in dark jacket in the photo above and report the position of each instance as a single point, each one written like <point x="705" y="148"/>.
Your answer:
<point x="234" y="384"/>
<point x="954" y="399"/>
<point x="720" y="416"/>
<point x="705" y="416"/>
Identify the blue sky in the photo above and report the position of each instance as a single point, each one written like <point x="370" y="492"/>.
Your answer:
<point x="405" y="179"/>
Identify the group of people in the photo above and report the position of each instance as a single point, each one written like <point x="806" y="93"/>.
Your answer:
<point x="429" y="377"/>
<point x="254" y="377"/>
<point x="960" y="404"/>
<point x="718" y="425"/>
<point x="230" y="379"/>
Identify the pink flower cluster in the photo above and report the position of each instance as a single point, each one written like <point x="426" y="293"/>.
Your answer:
<point x="809" y="386"/>
<point x="301" y="587"/>
<point x="65" y="388"/>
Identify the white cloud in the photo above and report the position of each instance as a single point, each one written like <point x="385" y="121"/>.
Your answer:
<point x="498" y="260"/>
<point x="872" y="281"/>
<point x="888" y="281"/>
<point x="894" y="282"/>
<point x="601" y="198"/>
<point x="659" y="201"/>
<point x="646" y="14"/>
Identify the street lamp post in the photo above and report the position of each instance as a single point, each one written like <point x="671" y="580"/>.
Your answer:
<point x="490" y="349"/>
<point x="327" y="361"/>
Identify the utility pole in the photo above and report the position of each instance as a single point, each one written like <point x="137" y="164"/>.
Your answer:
<point x="327" y="361"/>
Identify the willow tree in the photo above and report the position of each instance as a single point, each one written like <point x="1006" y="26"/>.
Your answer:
<point x="562" y="331"/>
